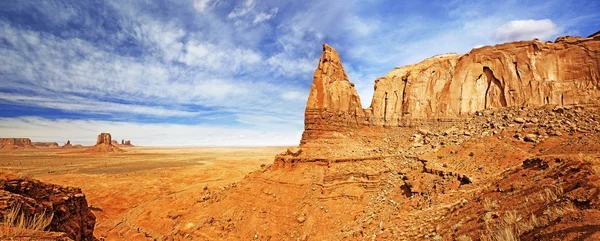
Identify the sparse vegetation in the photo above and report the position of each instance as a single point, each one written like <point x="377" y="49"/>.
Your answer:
<point x="511" y="226"/>
<point x="551" y="193"/>
<point x="464" y="238"/>
<point x="490" y="204"/>
<point x="15" y="223"/>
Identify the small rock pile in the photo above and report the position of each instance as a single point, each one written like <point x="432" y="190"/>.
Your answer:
<point x="521" y="123"/>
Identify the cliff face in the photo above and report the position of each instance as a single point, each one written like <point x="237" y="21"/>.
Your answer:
<point x="69" y="206"/>
<point x="332" y="96"/>
<point x="447" y="88"/>
<point x="15" y="143"/>
<point x="104" y="138"/>
<point x="45" y="144"/>
<point x="527" y="73"/>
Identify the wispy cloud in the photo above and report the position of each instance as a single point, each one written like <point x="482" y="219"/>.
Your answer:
<point x="526" y="30"/>
<point x="246" y="64"/>
<point x="264" y="16"/>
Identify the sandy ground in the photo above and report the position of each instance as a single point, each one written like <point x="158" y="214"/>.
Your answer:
<point x="118" y="183"/>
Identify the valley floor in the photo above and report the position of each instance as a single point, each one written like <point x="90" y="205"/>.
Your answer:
<point x="118" y="185"/>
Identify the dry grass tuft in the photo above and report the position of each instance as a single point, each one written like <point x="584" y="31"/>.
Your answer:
<point x="511" y="226"/>
<point x="490" y="204"/>
<point x="551" y="193"/>
<point x="464" y="238"/>
<point x="15" y="223"/>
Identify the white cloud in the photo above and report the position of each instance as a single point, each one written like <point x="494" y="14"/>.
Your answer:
<point x="288" y="65"/>
<point x="294" y="95"/>
<point x="81" y="105"/>
<point x="261" y="17"/>
<point x="217" y="58"/>
<point x="201" y="5"/>
<point x="526" y="30"/>
<point x="85" y="132"/>
<point x="241" y="9"/>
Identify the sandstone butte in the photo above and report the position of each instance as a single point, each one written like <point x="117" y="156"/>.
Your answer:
<point x="45" y="144"/>
<point x="104" y="144"/>
<point x="449" y="87"/>
<point x="68" y="144"/>
<point x="15" y="143"/>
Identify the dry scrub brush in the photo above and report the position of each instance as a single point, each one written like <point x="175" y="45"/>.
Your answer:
<point x="16" y="224"/>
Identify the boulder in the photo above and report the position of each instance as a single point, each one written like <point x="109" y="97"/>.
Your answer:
<point x="68" y="205"/>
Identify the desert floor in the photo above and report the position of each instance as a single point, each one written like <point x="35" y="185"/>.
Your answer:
<point x="118" y="183"/>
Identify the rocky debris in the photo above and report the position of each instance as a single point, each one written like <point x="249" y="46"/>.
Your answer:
<point x="536" y="125"/>
<point x="68" y="205"/>
<point x="15" y="143"/>
<point x="46" y="144"/>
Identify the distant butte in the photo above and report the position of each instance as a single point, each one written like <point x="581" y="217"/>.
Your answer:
<point x="15" y="143"/>
<point x="104" y="144"/>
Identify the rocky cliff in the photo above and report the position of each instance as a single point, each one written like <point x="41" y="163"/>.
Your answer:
<point x="450" y="87"/>
<point x="528" y="73"/>
<point x="104" y="138"/>
<point x="104" y="144"/>
<point x="45" y="144"/>
<point x="15" y="143"/>
<point x="68" y="205"/>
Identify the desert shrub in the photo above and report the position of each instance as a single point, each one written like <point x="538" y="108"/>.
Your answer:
<point x="551" y="193"/>
<point x="490" y="204"/>
<point x="15" y="223"/>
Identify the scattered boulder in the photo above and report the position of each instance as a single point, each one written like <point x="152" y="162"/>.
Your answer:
<point x="530" y="138"/>
<point x="519" y="120"/>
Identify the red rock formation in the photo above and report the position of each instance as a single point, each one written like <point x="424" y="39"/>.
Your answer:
<point x="526" y="73"/>
<point x="15" y="143"/>
<point x="68" y="144"/>
<point x="70" y="208"/>
<point x="104" y="138"/>
<point x="46" y="144"/>
<point x="448" y="87"/>
<point x="104" y="144"/>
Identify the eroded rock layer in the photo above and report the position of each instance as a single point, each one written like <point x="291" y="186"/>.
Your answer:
<point x="447" y="88"/>
<point x="45" y="144"/>
<point x="68" y="205"/>
<point x="15" y="143"/>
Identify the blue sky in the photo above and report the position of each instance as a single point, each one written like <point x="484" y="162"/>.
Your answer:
<point x="215" y="72"/>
